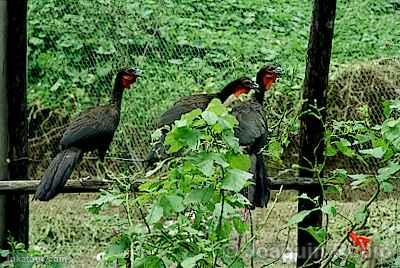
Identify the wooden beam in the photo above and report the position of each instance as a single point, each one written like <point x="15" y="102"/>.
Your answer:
<point x="17" y="210"/>
<point x="89" y="186"/>
<point x="312" y="127"/>
<point x="3" y="117"/>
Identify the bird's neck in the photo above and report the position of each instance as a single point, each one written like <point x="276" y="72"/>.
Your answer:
<point x="228" y="90"/>
<point x="260" y="94"/>
<point x="116" y="97"/>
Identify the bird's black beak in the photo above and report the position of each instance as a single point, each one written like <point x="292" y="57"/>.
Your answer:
<point x="279" y="71"/>
<point x="136" y="72"/>
<point x="254" y="85"/>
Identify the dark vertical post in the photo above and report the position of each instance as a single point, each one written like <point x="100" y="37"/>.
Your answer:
<point x="312" y="129"/>
<point x="3" y="116"/>
<point x="17" y="210"/>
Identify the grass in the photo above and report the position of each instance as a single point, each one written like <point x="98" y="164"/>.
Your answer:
<point x="63" y="228"/>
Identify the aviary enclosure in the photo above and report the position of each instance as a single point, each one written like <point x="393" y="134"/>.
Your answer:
<point x="74" y="48"/>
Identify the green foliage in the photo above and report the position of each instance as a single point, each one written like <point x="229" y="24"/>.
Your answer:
<point x="360" y="141"/>
<point x="18" y="257"/>
<point x="190" y="210"/>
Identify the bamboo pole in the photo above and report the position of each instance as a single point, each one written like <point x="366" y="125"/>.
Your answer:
<point x="89" y="186"/>
<point x="3" y="115"/>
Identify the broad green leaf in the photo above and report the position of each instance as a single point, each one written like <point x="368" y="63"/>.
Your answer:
<point x="299" y="217"/>
<point x="387" y="187"/>
<point x="391" y="132"/>
<point x="274" y="149"/>
<point x="358" y="179"/>
<point x="360" y="216"/>
<point x="191" y="261"/>
<point x="344" y="147"/>
<point x="174" y="202"/>
<point x="329" y="209"/>
<point x="217" y="107"/>
<point x="318" y="233"/>
<point x="155" y="214"/>
<point x="181" y="137"/>
<point x="189" y="117"/>
<point x="386" y="172"/>
<point x="375" y="152"/>
<point x="240" y="225"/>
<point x="330" y="150"/>
<point x="210" y="117"/>
<point x="149" y="262"/>
<point x="235" y="180"/>
<point x="239" y="161"/>
<point x="200" y="195"/>
<point x="119" y="247"/>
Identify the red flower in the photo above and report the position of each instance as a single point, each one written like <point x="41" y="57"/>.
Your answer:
<point x="359" y="241"/>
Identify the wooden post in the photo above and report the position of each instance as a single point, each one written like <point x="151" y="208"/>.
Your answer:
<point x="17" y="210"/>
<point x="312" y="129"/>
<point x="3" y="115"/>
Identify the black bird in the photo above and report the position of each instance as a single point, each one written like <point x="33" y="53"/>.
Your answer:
<point x="190" y="103"/>
<point x="92" y="130"/>
<point x="252" y="133"/>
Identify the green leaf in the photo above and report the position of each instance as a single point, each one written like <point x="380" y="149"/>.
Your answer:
<point x="171" y="203"/>
<point x="375" y="152"/>
<point x="318" y="233"/>
<point x="191" y="116"/>
<point x="274" y="149"/>
<point x="204" y="161"/>
<point x="155" y="214"/>
<point x="181" y="137"/>
<point x="239" y="161"/>
<point x="4" y="252"/>
<point x="330" y="150"/>
<point x="217" y="107"/>
<point x="344" y="147"/>
<point x="391" y="132"/>
<point x="387" y="187"/>
<point x="329" y="209"/>
<point x="119" y="247"/>
<point x="240" y="225"/>
<point x="358" y="179"/>
<point x="386" y="172"/>
<point x="235" y="180"/>
<point x="149" y="262"/>
<point x="210" y="117"/>
<point x="200" y="195"/>
<point x="191" y="261"/>
<point x="299" y="217"/>
<point x="360" y="216"/>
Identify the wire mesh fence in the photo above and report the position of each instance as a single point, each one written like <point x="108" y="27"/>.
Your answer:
<point x="75" y="48"/>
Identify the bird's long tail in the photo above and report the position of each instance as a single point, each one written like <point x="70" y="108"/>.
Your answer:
<point x="259" y="193"/>
<point x="57" y="174"/>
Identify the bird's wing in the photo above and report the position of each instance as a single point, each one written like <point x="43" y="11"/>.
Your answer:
<point x="252" y="127"/>
<point x="96" y="124"/>
<point x="185" y="105"/>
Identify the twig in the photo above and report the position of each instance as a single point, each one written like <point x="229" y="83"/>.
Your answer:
<point x="253" y="250"/>
<point x="220" y="220"/>
<point x="258" y="229"/>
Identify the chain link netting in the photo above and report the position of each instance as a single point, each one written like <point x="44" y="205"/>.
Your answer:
<point x="75" y="48"/>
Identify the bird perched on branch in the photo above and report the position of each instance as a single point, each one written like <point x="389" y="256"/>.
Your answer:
<point x="189" y="103"/>
<point x="92" y="130"/>
<point x="252" y="132"/>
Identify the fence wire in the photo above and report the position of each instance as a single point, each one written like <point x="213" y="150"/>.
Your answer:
<point x="75" y="48"/>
